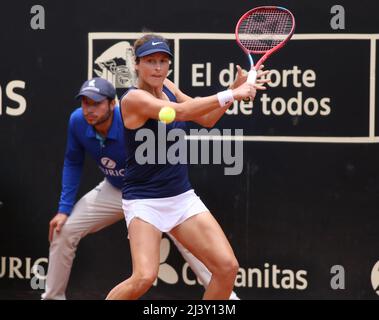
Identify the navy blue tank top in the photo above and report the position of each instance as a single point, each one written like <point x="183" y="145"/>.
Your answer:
<point x="147" y="181"/>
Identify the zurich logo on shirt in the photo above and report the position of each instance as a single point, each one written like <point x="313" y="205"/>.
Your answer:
<point x="108" y="163"/>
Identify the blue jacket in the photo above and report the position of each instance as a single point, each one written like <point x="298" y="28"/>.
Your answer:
<point x="109" y="155"/>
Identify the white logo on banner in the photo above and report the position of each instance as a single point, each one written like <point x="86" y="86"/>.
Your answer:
<point x="116" y="65"/>
<point x="17" y="102"/>
<point x="375" y="277"/>
<point x="21" y="268"/>
<point x="108" y="163"/>
<point x="270" y="277"/>
<point x="166" y="273"/>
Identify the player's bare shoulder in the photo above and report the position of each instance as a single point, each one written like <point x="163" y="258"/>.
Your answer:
<point x="134" y="99"/>
<point x="180" y="96"/>
<point x="130" y="106"/>
<point x="170" y="85"/>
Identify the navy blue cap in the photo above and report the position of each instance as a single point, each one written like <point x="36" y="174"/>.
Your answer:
<point x="153" y="46"/>
<point x="97" y="89"/>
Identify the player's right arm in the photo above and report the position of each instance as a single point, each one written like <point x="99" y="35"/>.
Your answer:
<point x="72" y="171"/>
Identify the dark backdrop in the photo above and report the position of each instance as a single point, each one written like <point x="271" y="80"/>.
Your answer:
<point x="297" y="209"/>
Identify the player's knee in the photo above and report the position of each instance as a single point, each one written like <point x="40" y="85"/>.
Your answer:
<point x="229" y="267"/>
<point x="146" y="278"/>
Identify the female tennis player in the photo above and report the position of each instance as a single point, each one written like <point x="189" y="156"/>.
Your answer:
<point x="158" y="197"/>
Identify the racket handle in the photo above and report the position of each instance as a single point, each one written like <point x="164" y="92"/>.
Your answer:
<point x="252" y="76"/>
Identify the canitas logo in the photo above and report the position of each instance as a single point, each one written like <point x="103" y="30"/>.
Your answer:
<point x="272" y="277"/>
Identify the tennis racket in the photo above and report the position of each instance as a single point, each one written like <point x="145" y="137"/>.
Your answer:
<point x="263" y="30"/>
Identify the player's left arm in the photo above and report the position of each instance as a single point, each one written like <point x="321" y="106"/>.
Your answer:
<point x="242" y="76"/>
<point x="182" y="97"/>
<point x="210" y="119"/>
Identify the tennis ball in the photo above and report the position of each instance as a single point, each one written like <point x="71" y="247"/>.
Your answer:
<point x="167" y="115"/>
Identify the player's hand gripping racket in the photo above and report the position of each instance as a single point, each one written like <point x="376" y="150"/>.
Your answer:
<point x="263" y="30"/>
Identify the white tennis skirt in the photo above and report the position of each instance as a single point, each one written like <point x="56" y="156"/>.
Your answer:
<point x="164" y="213"/>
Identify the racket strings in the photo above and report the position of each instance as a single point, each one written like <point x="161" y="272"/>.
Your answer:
<point x="264" y="29"/>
